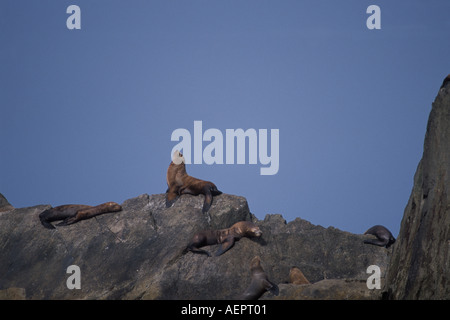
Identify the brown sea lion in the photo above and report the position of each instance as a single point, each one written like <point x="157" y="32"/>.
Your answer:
<point x="225" y="237"/>
<point x="296" y="276"/>
<point x="260" y="282"/>
<point x="384" y="236"/>
<point x="179" y="182"/>
<point x="72" y="213"/>
<point x="446" y="80"/>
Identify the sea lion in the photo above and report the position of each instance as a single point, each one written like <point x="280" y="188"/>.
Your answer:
<point x="384" y="236"/>
<point x="446" y="80"/>
<point x="72" y="213"/>
<point x="179" y="182"/>
<point x="260" y="282"/>
<point x="296" y="276"/>
<point x="225" y="237"/>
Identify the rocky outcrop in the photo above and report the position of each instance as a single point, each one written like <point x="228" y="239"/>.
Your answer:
<point x="4" y="204"/>
<point x="327" y="289"/>
<point x="420" y="265"/>
<point x="138" y="254"/>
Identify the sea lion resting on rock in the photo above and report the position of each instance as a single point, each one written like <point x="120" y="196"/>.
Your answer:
<point x="225" y="237"/>
<point x="260" y="282"/>
<point x="72" y="213"/>
<point x="179" y="182"/>
<point x="384" y="236"/>
<point x="296" y="276"/>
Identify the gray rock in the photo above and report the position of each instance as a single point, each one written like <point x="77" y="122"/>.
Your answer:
<point x="420" y="265"/>
<point x="4" y="204"/>
<point x="138" y="253"/>
<point x="327" y="289"/>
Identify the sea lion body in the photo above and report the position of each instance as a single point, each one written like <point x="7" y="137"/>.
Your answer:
<point x="260" y="282"/>
<point x="71" y="213"/>
<point x="179" y="182"/>
<point x="296" y="276"/>
<point x="384" y="236"/>
<point x="225" y="237"/>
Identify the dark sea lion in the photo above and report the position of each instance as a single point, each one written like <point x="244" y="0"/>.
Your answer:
<point x="296" y="276"/>
<point x="225" y="237"/>
<point x="179" y="182"/>
<point x="72" y="213"/>
<point x="260" y="282"/>
<point x="384" y="236"/>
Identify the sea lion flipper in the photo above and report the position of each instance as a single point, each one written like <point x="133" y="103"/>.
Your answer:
<point x="48" y="225"/>
<point x="186" y="190"/>
<point x="171" y="197"/>
<point x="226" y="245"/>
<point x="376" y="242"/>
<point x="67" y="221"/>
<point x="272" y="287"/>
<point x="208" y="199"/>
<point x="201" y="251"/>
<point x="198" y="241"/>
<point x="197" y="250"/>
<point x="43" y="218"/>
<point x="80" y="215"/>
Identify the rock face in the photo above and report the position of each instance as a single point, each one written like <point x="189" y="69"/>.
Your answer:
<point x="4" y="204"/>
<point x="327" y="289"/>
<point x="138" y="254"/>
<point x="420" y="265"/>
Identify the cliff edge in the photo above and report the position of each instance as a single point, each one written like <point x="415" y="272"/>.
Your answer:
<point x="420" y="265"/>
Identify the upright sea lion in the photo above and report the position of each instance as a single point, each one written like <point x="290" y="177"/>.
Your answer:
<point x="225" y="237"/>
<point x="384" y="236"/>
<point x="296" y="276"/>
<point x="260" y="282"/>
<point x="179" y="182"/>
<point x="72" y="213"/>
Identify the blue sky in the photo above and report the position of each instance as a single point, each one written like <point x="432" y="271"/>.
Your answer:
<point x="87" y="115"/>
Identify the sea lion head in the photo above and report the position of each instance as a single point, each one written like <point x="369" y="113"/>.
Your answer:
<point x="247" y="229"/>
<point x="296" y="276"/>
<point x="112" y="206"/>
<point x="177" y="157"/>
<point x="255" y="264"/>
<point x="255" y="231"/>
<point x="391" y="241"/>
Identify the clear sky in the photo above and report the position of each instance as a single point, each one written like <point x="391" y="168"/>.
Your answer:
<point x="87" y="115"/>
